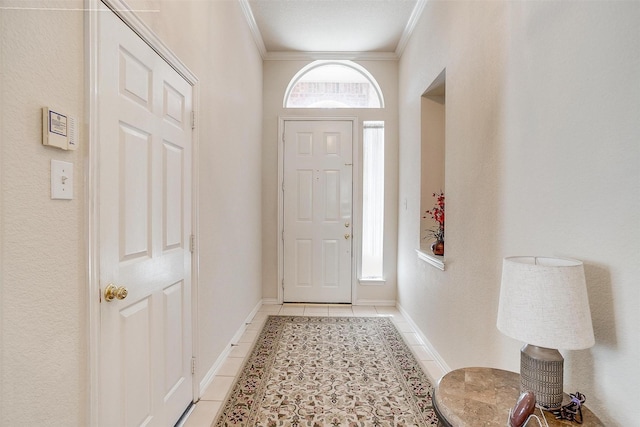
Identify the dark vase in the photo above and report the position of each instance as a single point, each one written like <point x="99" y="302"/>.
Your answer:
<point x="437" y="247"/>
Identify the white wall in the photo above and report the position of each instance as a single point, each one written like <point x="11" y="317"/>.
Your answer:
<point x="44" y="353"/>
<point x="277" y="75"/>
<point x="542" y="158"/>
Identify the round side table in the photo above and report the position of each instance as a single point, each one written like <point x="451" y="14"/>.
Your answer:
<point x="472" y="397"/>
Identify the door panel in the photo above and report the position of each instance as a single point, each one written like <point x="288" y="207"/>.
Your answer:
<point x="330" y="263"/>
<point x="305" y="196"/>
<point x="144" y="151"/>
<point x="135" y="343"/>
<point x="135" y="147"/>
<point x="317" y="211"/>
<point x="173" y="162"/>
<point x="303" y="262"/>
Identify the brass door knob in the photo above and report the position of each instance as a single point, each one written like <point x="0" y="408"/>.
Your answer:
<point x="112" y="292"/>
<point x="346" y="236"/>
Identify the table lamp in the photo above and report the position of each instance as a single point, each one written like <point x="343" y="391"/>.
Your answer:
<point x="544" y="303"/>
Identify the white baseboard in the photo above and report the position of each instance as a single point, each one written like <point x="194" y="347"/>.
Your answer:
<point x="421" y="336"/>
<point x="378" y="302"/>
<point x="211" y="373"/>
<point x="270" y="301"/>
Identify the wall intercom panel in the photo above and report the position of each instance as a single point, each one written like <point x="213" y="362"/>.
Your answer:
<point x="59" y="130"/>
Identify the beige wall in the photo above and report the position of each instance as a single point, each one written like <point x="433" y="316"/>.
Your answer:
<point x="214" y="41"/>
<point x="277" y="75"/>
<point x="43" y="289"/>
<point x="43" y="283"/>
<point x="542" y="158"/>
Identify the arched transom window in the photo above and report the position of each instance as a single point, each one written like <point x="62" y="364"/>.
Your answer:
<point x="333" y="84"/>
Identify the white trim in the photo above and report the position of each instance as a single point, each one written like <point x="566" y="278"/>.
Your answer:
<point x="195" y="230"/>
<point x="376" y="302"/>
<point x="211" y="372"/>
<point x="355" y="171"/>
<point x="91" y="208"/>
<point x="416" y="13"/>
<point x="183" y="420"/>
<point x="280" y="256"/>
<point x="436" y="261"/>
<point x="270" y="301"/>
<point x="372" y="281"/>
<point x="306" y="55"/>
<point x="138" y="26"/>
<point x="437" y="358"/>
<point x="124" y="12"/>
<point x="253" y="26"/>
<point x="345" y="56"/>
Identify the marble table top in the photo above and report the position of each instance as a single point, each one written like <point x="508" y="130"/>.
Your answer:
<point x="471" y="397"/>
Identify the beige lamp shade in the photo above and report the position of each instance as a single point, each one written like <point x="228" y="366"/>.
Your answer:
<point x="544" y="302"/>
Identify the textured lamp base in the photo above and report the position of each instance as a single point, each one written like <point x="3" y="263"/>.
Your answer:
<point x="541" y="371"/>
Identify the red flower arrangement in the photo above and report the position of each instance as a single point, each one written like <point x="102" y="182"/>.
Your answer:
<point x="437" y="213"/>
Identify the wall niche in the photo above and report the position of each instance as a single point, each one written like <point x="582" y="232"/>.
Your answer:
<point x="432" y="179"/>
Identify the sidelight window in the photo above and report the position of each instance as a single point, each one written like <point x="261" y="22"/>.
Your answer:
<point x="372" y="200"/>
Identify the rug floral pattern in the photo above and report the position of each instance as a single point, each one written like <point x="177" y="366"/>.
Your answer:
<point x="329" y="371"/>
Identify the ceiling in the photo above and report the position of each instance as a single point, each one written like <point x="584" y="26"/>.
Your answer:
<point x="376" y="29"/>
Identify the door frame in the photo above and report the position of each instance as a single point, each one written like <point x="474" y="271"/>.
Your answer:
<point x="355" y="195"/>
<point x="91" y="174"/>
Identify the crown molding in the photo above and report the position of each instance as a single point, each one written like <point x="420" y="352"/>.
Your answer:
<point x="411" y="25"/>
<point x="253" y="26"/>
<point x="313" y="56"/>
<point x="353" y="56"/>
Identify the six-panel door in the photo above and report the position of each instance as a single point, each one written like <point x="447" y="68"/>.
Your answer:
<point x="317" y="211"/>
<point x="145" y="223"/>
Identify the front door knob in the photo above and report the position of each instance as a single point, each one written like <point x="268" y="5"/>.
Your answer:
<point x="112" y="292"/>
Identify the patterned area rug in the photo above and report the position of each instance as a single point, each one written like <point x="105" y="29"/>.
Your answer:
<point x="329" y="371"/>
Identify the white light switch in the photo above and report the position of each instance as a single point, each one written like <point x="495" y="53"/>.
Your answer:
<point x="61" y="180"/>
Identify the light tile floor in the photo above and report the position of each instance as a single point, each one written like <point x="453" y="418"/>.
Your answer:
<point x="213" y="397"/>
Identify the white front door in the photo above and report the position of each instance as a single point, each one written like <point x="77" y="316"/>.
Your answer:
<point x="317" y="211"/>
<point x="144" y="151"/>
